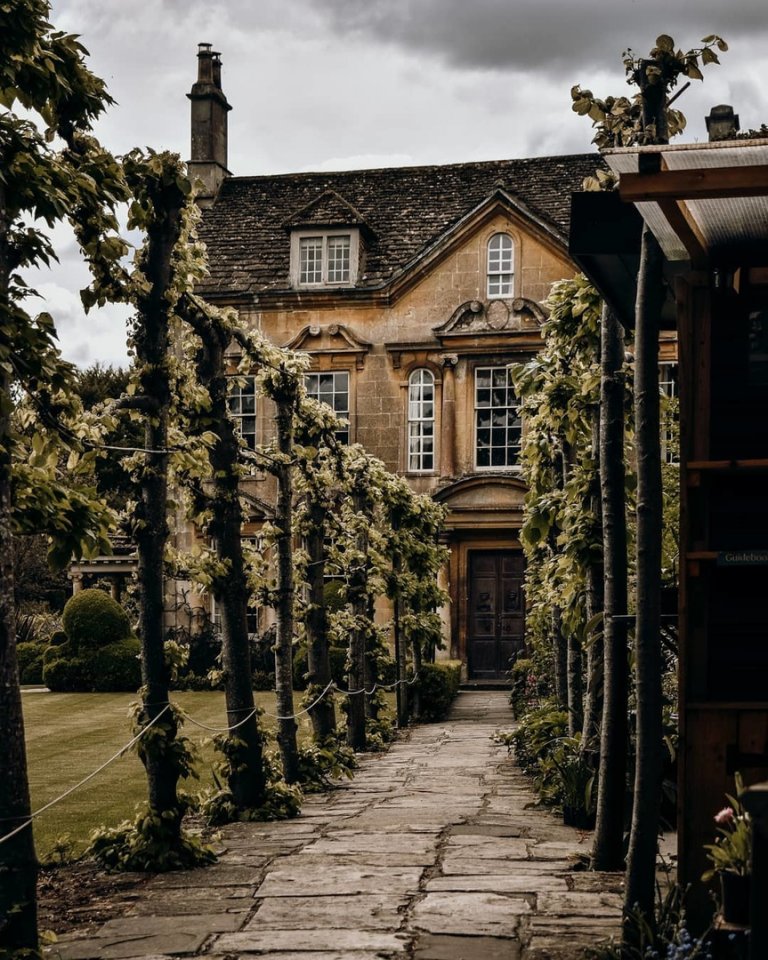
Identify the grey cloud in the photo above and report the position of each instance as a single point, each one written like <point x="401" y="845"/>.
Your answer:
<point x="539" y="35"/>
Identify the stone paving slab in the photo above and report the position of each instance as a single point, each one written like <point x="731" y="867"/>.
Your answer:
<point x="301" y="941"/>
<point x="487" y="914"/>
<point x="453" y="947"/>
<point x="338" y="881"/>
<point x="435" y="851"/>
<point x="361" y="912"/>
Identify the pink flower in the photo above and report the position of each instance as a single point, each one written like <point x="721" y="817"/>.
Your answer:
<point x="725" y="817"/>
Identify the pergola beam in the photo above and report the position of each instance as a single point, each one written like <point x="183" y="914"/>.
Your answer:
<point x="687" y="230"/>
<point x="709" y="183"/>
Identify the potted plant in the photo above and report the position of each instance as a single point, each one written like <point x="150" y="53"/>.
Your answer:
<point x="731" y="858"/>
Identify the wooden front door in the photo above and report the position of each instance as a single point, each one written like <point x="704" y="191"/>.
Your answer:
<point x="496" y="616"/>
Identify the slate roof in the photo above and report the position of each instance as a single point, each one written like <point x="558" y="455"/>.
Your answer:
<point x="405" y="208"/>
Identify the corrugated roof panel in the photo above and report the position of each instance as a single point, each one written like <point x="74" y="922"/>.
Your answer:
<point x="723" y="223"/>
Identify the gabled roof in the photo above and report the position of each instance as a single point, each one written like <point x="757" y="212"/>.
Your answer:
<point x="407" y="210"/>
<point x="327" y="210"/>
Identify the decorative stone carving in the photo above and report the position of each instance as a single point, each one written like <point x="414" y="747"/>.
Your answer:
<point x="334" y="338"/>
<point x="492" y="317"/>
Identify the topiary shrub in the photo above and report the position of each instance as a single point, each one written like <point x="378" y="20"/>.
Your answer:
<point x="30" y="657"/>
<point x="93" y="619"/>
<point x="66" y="675"/>
<point x="99" y="653"/>
<point x="116" y="668"/>
<point x="438" y="685"/>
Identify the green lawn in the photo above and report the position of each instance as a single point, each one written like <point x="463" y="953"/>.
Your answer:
<point x="71" y="734"/>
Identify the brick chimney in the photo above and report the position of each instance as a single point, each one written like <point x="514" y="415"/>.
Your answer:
<point x="722" y="123"/>
<point x="208" y="159"/>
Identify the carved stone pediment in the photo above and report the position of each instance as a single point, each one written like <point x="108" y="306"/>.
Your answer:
<point x="492" y="493"/>
<point x="492" y="317"/>
<point x="333" y="338"/>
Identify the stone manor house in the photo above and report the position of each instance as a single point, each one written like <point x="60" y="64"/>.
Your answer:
<point x="412" y="289"/>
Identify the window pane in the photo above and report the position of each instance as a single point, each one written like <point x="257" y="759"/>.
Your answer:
<point x="242" y="408"/>
<point x="421" y="421"/>
<point x="497" y="419"/>
<point x="500" y="266"/>
<point x="333" y="389"/>
<point x="338" y="259"/>
<point x="311" y="260"/>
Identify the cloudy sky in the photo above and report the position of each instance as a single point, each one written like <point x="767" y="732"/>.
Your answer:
<point x="333" y="84"/>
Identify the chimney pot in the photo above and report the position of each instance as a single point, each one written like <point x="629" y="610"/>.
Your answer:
<point x="722" y="123"/>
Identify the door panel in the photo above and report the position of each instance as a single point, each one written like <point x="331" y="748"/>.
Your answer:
<point x="496" y="620"/>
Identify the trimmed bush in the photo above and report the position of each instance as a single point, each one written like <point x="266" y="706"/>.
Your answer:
<point x="92" y="619"/>
<point x="30" y="657"/>
<point x="116" y="668"/>
<point x="66" y="675"/>
<point x="64" y="651"/>
<point x="438" y="685"/>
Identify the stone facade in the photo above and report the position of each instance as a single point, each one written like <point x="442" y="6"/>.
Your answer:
<point x="417" y="299"/>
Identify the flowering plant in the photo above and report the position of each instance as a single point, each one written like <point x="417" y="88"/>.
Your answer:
<point x="732" y="850"/>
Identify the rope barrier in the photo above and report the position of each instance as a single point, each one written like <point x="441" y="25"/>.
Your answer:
<point x="85" y="780"/>
<point x="197" y="723"/>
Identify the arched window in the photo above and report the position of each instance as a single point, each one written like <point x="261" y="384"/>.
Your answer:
<point x="500" y="266"/>
<point x="421" y="421"/>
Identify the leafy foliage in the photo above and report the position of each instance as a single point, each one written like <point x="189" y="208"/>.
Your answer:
<point x="621" y="121"/>
<point x="149" y="842"/>
<point x="282" y="801"/>
<point x="559" y="390"/>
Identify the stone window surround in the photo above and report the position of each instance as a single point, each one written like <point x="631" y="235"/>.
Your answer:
<point x="324" y="232"/>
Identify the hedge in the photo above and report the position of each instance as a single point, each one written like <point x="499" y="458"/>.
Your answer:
<point x="30" y="657"/>
<point x="114" y="668"/>
<point x="438" y="686"/>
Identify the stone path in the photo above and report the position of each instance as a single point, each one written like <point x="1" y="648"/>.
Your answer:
<point x="433" y="852"/>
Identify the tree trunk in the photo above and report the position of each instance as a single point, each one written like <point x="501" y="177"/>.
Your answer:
<point x="359" y="602"/>
<point x="560" y="650"/>
<point x="18" y="864"/>
<point x="371" y="672"/>
<point x="593" y="699"/>
<point x="322" y="714"/>
<point x="575" y="685"/>
<point x="248" y="779"/>
<point x="416" y="698"/>
<point x="286" y="727"/>
<point x="641" y="867"/>
<point x="151" y="530"/>
<point x="608" y="851"/>
<point x="401" y="653"/>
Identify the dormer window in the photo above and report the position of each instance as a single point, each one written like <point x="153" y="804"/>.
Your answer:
<point x="324" y="258"/>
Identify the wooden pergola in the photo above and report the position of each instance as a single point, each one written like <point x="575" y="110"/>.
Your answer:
<point x="707" y="205"/>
